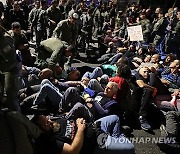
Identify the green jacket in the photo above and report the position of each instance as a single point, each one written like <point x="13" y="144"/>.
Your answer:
<point x="56" y="47"/>
<point x="66" y="31"/>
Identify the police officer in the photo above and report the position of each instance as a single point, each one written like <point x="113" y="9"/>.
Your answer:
<point x="32" y="19"/>
<point x="146" y="27"/>
<point x="54" y="15"/>
<point x="176" y="39"/>
<point x="170" y="43"/>
<point x="42" y="23"/>
<point x="159" y="29"/>
<point x="86" y="30"/>
<point x="67" y="30"/>
<point x="11" y="68"/>
<point x="58" y="52"/>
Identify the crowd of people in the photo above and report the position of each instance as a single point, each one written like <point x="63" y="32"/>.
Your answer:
<point x="73" y="106"/>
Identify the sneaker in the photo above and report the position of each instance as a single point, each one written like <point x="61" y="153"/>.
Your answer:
<point x="144" y="124"/>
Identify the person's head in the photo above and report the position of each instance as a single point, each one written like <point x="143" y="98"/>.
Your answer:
<point x="111" y="45"/>
<point x="169" y="58"/>
<point x="178" y="15"/>
<point x="142" y="51"/>
<point x="85" y="80"/>
<point x="144" y="72"/>
<point x="158" y="9"/>
<point x="45" y="74"/>
<point x="54" y="3"/>
<point x="124" y="71"/>
<point x="174" y="66"/>
<point x="120" y="13"/>
<point x="161" y="14"/>
<point x="16" y="6"/>
<point x="43" y="4"/>
<point x="175" y="9"/>
<point x="37" y="4"/>
<point x="109" y="32"/>
<point x="143" y="15"/>
<point x="148" y="11"/>
<point x="70" y="50"/>
<point x="73" y="18"/>
<point x="151" y="48"/>
<point x="16" y="28"/>
<point x="111" y="89"/>
<point x="132" y="47"/>
<point x="24" y="71"/>
<point x="122" y="60"/>
<point x="43" y="122"/>
<point x="155" y="58"/>
<point x="147" y="58"/>
<point x="73" y="74"/>
<point x="170" y="12"/>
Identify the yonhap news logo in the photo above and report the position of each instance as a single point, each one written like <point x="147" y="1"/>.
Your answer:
<point x="153" y="140"/>
<point x="104" y="140"/>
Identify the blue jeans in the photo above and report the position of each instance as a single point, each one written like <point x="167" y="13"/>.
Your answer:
<point x="110" y="124"/>
<point x="97" y="72"/>
<point x="48" y="90"/>
<point x="114" y="142"/>
<point x="60" y="101"/>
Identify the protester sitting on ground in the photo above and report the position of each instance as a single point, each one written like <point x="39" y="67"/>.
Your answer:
<point x="63" y="101"/>
<point x="147" y="91"/>
<point x="70" y="74"/>
<point x="66" y="136"/>
<point x="169" y="58"/>
<point x="97" y="74"/>
<point x="59" y="101"/>
<point x="28" y="73"/>
<point x="152" y="49"/>
<point x="139" y="57"/>
<point x="111" y="51"/>
<point x="171" y="77"/>
<point x="103" y="103"/>
<point x="34" y="76"/>
<point x="130" y="52"/>
<point x="123" y="74"/>
<point x="108" y="38"/>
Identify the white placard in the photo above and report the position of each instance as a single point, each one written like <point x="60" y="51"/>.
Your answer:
<point x="135" y="33"/>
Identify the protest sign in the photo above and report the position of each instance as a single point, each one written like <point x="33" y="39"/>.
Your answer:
<point x="135" y="33"/>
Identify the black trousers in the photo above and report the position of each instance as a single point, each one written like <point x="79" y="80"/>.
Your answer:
<point x="146" y="95"/>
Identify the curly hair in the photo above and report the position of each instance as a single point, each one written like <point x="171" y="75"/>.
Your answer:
<point x="124" y="71"/>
